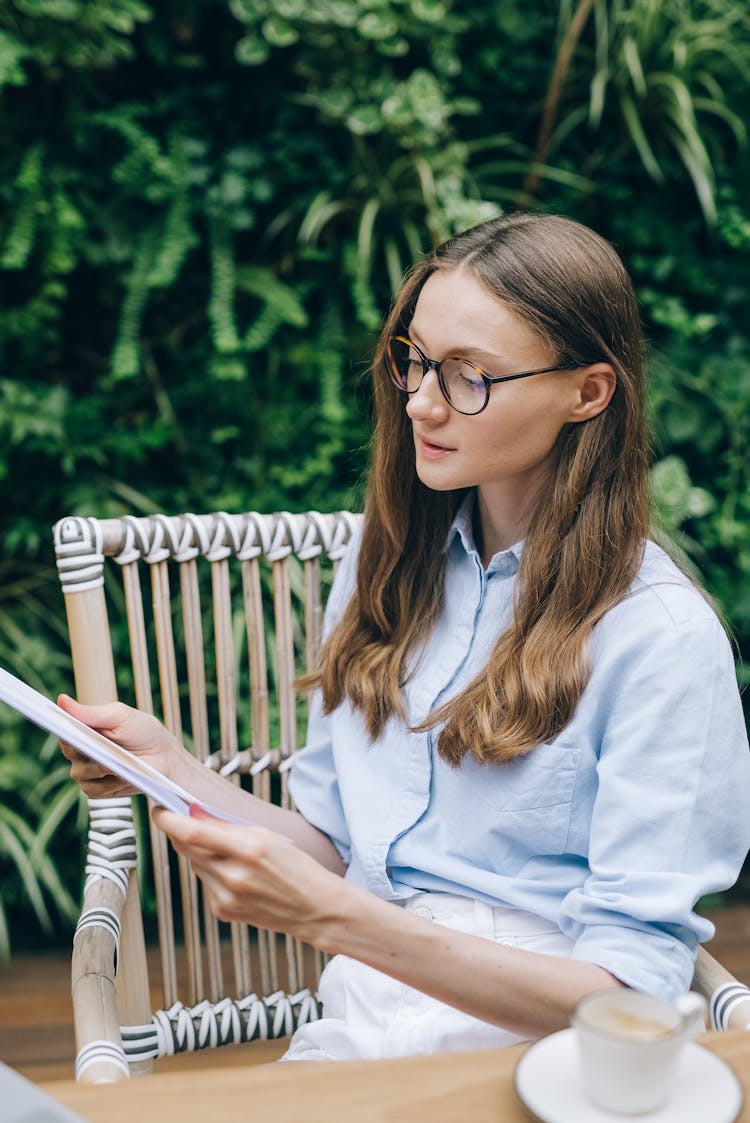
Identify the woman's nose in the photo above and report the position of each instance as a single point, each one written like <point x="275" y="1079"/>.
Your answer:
<point x="428" y="400"/>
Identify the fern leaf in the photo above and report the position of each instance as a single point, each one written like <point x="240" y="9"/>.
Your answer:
<point x="221" y="303"/>
<point x="23" y="231"/>
<point x="126" y="361"/>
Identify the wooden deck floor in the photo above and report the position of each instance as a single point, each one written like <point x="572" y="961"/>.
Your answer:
<point x="36" y="1020"/>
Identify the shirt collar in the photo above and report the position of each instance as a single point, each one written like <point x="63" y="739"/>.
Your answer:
<point x="462" y="528"/>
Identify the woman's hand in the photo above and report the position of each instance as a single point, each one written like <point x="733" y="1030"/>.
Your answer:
<point x="138" y="732"/>
<point x="257" y="876"/>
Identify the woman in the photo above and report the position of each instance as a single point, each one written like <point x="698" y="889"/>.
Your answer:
<point x="526" y="752"/>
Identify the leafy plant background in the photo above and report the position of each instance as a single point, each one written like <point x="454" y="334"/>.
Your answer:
<point x="205" y="209"/>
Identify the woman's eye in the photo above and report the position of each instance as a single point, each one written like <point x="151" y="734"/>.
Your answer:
<point x="468" y="376"/>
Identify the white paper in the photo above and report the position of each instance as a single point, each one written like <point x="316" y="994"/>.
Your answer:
<point x="111" y="756"/>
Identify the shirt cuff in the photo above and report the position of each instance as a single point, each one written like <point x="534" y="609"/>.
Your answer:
<point x="654" y="962"/>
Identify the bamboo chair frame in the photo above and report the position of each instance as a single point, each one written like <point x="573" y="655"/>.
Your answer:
<point x="259" y="558"/>
<point x="274" y="977"/>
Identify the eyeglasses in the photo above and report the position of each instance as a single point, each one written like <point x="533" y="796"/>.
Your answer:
<point x="466" y="388"/>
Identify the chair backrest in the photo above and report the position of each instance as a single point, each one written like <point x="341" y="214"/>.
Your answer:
<point x="212" y="618"/>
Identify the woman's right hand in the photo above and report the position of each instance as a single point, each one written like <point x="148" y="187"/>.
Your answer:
<point x="138" y="732"/>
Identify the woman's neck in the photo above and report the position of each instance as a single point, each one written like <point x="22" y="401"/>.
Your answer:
<point x="496" y="529"/>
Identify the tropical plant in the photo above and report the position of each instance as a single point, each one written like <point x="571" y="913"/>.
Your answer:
<point x="35" y="794"/>
<point x="660" y="80"/>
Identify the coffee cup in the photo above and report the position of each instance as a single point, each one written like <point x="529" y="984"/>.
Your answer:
<point x="629" y="1044"/>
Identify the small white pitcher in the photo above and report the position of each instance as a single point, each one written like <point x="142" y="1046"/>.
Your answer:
<point x="629" y="1044"/>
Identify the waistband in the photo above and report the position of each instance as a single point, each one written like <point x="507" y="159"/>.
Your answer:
<point x="466" y="914"/>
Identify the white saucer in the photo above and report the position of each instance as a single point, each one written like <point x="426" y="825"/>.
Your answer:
<point x="548" y="1082"/>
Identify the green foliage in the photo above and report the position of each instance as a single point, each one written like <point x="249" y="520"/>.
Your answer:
<point x="36" y="797"/>
<point x="206" y="207"/>
<point x="57" y="34"/>
<point x="662" y="78"/>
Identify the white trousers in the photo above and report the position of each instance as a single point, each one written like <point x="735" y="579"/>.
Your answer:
<point x="368" y="1015"/>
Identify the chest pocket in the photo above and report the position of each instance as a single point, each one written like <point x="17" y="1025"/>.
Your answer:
<point x="527" y="801"/>
<point x="542" y="778"/>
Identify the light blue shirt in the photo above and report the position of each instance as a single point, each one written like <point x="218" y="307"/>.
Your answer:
<point x="613" y="830"/>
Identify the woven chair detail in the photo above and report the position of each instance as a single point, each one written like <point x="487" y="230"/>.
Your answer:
<point x="265" y="571"/>
<point x="729" y="1006"/>
<point x="208" y="1026"/>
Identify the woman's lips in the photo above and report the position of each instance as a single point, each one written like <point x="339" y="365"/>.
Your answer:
<point x="433" y="451"/>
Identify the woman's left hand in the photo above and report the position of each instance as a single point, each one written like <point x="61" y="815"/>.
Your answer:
<point x="257" y="876"/>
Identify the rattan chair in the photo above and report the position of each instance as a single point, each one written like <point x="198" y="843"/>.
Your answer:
<point x="223" y="593"/>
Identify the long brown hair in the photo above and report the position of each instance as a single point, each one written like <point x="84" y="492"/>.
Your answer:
<point x="585" y="540"/>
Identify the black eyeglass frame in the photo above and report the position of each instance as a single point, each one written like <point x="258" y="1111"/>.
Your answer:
<point x="488" y="379"/>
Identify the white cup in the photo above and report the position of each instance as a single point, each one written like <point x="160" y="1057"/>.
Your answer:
<point x="629" y="1043"/>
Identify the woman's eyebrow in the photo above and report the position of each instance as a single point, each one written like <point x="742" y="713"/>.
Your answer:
<point x="476" y="354"/>
<point x="418" y="339"/>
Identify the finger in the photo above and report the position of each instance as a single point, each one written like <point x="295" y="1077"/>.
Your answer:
<point x="220" y="904"/>
<point x="165" y="820"/>
<point x="105" y="787"/>
<point x="180" y="829"/>
<point x="196" y="811"/>
<point x="207" y="871"/>
<point x="70" y="753"/>
<point x="209" y="834"/>
<point x="197" y="852"/>
<point x="105" y="716"/>
<point x="83" y="771"/>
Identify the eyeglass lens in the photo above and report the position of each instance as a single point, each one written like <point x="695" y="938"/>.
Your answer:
<point x="461" y="383"/>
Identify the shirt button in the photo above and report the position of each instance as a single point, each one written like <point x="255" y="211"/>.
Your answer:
<point x="507" y="942"/>
<point x="420" y="910"/>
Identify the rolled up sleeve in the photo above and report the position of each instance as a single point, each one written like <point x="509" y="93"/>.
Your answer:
<point x="670" y="818"/>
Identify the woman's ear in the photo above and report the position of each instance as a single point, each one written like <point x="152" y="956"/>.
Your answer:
<point x="596" y="384"/>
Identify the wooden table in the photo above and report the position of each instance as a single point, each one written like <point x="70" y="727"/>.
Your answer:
<point x="450" y="1088"/>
